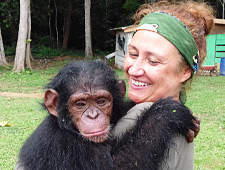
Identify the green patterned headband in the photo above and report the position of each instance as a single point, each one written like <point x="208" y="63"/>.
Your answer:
<point x="176" y="32"/>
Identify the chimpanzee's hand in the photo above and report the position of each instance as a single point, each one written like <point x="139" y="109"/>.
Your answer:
<point x="193" y="132"/>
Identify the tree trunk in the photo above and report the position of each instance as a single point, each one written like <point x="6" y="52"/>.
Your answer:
<point x="222" y="3"/>
<point x="88" y="43"/>
<point x="56" y="25"/>
<point x="68" y="22"/>
<point x="21" y="47"/>
<point x="28" y="51"/>
<point x="3" y="61"/>
<point x="49" y="21"/>
<point x="223" y="9"/>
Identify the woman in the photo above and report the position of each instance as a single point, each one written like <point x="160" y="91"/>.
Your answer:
<point x="163" y="57"/>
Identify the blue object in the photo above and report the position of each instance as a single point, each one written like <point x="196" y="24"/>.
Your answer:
<point x="222" y="67"/>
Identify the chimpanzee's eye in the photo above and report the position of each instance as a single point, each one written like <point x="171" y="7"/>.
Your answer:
<point x="80" y="104"/>
<point x="101" y="101"/>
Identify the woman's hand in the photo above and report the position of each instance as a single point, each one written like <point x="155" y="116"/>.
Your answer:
<point x="193" y="132"/>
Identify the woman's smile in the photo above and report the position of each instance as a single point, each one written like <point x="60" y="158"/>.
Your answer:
<point x="139" y="83"/>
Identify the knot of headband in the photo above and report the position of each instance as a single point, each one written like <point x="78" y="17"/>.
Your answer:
<point x="176" y="32"/>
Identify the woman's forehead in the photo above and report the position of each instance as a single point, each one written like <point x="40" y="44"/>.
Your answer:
<point x="152" y="43"/>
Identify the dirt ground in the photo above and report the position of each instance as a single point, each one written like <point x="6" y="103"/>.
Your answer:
<point x="10" y="94"/>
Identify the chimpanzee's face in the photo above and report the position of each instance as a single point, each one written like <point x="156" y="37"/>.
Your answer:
<point x="91" y="112"/>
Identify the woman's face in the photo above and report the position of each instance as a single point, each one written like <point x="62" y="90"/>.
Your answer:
<point x="151" y="68"/>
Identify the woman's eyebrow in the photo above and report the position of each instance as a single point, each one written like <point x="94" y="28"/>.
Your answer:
<point x="132" y="46"/>
<point x="147" y="52"/>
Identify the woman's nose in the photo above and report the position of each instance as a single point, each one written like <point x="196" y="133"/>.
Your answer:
<point x="137" y="69"/>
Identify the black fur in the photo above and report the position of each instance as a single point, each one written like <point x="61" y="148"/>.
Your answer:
<point x="56" y="144"/>
<point x="52" y="148"/>
<point x="147" y="145"/>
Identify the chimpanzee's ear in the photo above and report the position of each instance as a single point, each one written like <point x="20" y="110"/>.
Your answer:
<point x="122" y="86"/>
<point x="51" y="101"/>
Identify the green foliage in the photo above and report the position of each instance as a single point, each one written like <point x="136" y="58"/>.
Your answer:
<point x="28" y="41"/>
<point x="10" y="50"/>
<point x="9" y="11"/>
<point x="132" y="5"/>
<point x="46" y="41"/>
<point x="39" y="51"/>
<point x="110" y="44"/>
<point x="45" y="52"/>
<point x="100" y="52"/>
<point x="111" y="61"/>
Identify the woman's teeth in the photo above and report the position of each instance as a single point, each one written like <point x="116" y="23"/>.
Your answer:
<point x="138" y="83"/>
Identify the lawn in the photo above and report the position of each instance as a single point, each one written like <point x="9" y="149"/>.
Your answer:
<point x="206" y="99"/>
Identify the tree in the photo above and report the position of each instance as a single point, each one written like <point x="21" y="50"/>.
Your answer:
<point x="68" y="23"/>
<point x="3" y="61"/>
<point x="56" y="25"/>
<point x="222" y="3"/>
<point x="22" y="58"/>
<point x="49" y="18"/>
<point x="88" y="42"/>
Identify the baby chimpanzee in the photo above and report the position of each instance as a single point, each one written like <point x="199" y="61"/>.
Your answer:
<point x="83" y="101"/>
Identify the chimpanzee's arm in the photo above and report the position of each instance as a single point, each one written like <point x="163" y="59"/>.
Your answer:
<point x="146" y="145"/>
<point x="129" y="121"/>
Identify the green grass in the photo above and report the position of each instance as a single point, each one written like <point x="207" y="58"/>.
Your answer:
<point x="30" y="81"/>
<point x="206" y="100"/>
<point x="24" y="115"/>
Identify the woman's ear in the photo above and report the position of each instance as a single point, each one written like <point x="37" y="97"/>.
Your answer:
<point x="186" y="75"/>
<point x="51" y="101"/>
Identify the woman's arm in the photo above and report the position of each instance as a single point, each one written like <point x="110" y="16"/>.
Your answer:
<point x="181" y="155"/>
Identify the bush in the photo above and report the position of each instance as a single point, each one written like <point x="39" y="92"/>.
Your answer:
<point x="10" y="50"/>
<point x="40" y="51"/>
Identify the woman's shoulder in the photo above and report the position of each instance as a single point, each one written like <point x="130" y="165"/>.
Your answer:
<point x="129" y="120"/>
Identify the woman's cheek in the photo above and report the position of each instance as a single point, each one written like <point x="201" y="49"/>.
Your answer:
<point x="126" y="63"/>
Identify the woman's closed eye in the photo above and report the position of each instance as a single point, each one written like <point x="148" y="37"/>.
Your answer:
<point x="133" y="55"/>
<point x="153" y="62"/>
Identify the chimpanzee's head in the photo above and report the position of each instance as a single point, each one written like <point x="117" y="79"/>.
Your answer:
<point x="86" y="98"/>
